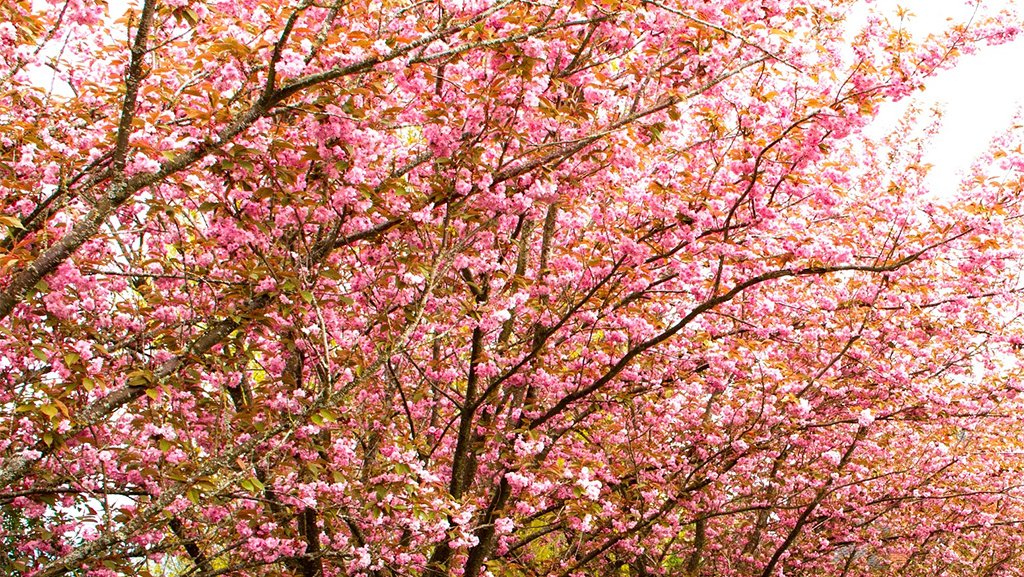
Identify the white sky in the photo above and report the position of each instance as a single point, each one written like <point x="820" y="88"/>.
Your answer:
<point x="979" y="96"/>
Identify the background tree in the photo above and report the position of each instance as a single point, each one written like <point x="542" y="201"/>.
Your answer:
<point x="388" y="288"/>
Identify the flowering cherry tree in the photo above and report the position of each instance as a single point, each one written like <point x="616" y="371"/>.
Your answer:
<point x="497" y="287"/>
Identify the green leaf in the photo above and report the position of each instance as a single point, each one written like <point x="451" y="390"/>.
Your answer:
<point x="11" y="221"/>
<point x="139" y="378"/>
<point x="176" y="475"/>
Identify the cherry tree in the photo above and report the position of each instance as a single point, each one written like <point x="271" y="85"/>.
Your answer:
<point x="497" y="287"/>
